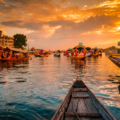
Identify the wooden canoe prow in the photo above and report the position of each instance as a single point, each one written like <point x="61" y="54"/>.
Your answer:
<point x="77" y="57"/>
<point x="81" y="103"/>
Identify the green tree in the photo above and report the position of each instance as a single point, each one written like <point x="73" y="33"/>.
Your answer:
<point x="19" y="40"/>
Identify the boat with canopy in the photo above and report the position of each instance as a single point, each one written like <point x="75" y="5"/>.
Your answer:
<point x="95" y="52"/>
<point x="13" y="54"/>
<point x="41" y="53"/>
<point x="78" y="52"/>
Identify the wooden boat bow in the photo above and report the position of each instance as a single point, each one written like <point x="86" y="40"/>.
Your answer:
<point x="81" y="104"/>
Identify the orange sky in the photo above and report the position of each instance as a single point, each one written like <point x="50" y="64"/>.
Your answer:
<point x="63" y="24"/>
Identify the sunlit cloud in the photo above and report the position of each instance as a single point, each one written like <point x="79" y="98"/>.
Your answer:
<point x="67" y="21"/>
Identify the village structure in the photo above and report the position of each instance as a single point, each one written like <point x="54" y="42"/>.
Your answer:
<point x="6" y="41"/>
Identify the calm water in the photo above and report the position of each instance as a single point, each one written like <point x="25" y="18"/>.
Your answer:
<point x="34" y="90"/>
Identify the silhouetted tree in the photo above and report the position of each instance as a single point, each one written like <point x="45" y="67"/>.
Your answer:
<point x="19" y="40"/>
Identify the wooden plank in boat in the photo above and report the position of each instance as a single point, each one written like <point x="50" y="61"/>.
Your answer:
<point x="87" y="115"/>
<point x="72" y="107"/>
<point x="79" y="86"/>
<point x="90" y="106"/>
<point x="96" y="119"/>
<point x="79" y="90"/>
<point x="82" y="107"/>
<point x="80" y="95"/>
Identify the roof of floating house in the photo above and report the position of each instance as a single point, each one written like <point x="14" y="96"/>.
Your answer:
<point x="18" y="50"/>
<point x="79" y="47"/>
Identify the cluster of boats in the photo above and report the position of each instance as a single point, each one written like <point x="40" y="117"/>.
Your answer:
<point x="81" y="52"/>
<point x="41" y="53"/>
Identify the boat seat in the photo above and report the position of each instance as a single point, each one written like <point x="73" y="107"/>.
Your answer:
<point x="80" y="90"/>
<point x="89" y="115"/>
<point x="81" y="96"/>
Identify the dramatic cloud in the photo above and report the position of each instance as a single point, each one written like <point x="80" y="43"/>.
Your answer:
<point x="62" y="22"/>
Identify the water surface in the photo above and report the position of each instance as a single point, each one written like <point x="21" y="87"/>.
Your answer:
<point x="34" y="89"/>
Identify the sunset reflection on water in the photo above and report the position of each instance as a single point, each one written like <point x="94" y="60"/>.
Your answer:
<point x="34" y="89"/>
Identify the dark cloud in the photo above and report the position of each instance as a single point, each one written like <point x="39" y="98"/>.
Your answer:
<point x="68" y="27"/>
<point x="63" y="1"/>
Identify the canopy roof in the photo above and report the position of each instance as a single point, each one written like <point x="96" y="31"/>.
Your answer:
<point x="79" y="47"/>
<point x="88" y="48"/>
<point x="17" y="50"/>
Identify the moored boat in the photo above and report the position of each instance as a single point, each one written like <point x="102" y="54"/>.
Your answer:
<point x="78" y="57"/>
<point x="81" y="104"/>
<point x="44" y="55"/>
<point x="37" y="55"/>
<point x="95" y="55"/>
<point x="115" y="60"/>
<point x="13" y="54"/>
<point x="88" y="55"/>
<point x="56" y="55"/>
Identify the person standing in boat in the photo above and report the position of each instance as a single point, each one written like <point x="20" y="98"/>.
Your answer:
<point x="8" y="55"/>
<point x="81" y="53"/>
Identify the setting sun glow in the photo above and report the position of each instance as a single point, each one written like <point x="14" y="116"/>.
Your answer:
<point x="60" y="24"/>
<point x="118" y="28"/>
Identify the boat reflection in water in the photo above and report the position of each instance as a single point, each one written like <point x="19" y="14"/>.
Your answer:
<point x="11" y="64"/>
<point x="78" y="63"/>
<point x="34" y="89"/>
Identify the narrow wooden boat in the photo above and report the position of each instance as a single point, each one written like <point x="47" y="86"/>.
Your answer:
<point x="115" y="55"/>
<point x="81" y="104"/>
<point x="95" y="55"/>
<point x="88" y="55"/>
<point x="78" y="57"/>
<point x="44" y="55"/>
<point x="115" y="60"/>
<point x="12" y="59"/>
<point x="37" y="55"/>
<point x="26" y="58"/>
<point x="56" y="55"/>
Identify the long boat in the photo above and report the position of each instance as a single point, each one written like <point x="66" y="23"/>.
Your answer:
<point x="81" y="104"/>
<point x="37" y="55"/>
<point x="115" y="60"/>
<point x="56" y="55"/>
<point x="78" y="57"/>
<point x="95" y="55"/>
<point x="41" y="55"/>
<point x="12" y="59"/>
<point x="13" y="54"/>
<point x="115" y="54"/>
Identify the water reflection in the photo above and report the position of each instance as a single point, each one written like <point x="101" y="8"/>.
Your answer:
<point x="78" y="63"/>
<point x="34" y="89"/>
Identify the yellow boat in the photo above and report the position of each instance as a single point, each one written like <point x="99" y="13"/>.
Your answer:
<point x="44" y="55"/>
<point x="77" y="57"/>
<point x="115" y="54"/>
<point x="95" y="55"/>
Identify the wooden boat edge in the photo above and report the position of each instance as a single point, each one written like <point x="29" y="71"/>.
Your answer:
<point x="110" y="115"/>
<point x="114" y="61"/>
<point x="62" y="104"/>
